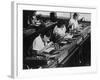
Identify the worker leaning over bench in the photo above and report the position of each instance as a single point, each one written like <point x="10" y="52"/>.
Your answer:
<point x="60" y="29"/>
<point x="42" y="45"/>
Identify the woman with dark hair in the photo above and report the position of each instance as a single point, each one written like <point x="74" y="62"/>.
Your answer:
<point x="40" y="42"/>
<point x="60" y="29"/>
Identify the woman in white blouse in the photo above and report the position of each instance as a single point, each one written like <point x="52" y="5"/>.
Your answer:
<point x="60" y="29"/>
<point x="74" y="22"/>
<point x="41" y="43"/>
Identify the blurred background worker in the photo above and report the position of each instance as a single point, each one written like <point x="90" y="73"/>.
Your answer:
<point x="32" y="18"/>
<point x="53" y="16"/>
<point x="73" y="23"/>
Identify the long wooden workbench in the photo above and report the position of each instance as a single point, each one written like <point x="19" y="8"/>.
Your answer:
<point x="66" y="51"/>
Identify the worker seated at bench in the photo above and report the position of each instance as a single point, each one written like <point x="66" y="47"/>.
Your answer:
<point x="42" y="45"/>
<point x="73" y="23"/>
<point x="59" y="30"/>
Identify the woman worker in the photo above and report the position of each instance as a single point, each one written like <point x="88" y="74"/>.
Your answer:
<point x="60" y="29"/>
<point x="74" y="22"/>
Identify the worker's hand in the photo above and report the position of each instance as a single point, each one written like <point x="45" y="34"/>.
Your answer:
<point x="51" y="56"/>
<point x="80" y="25"/>
<point x="50" y="43"/>
<point x="38" y="52"/>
